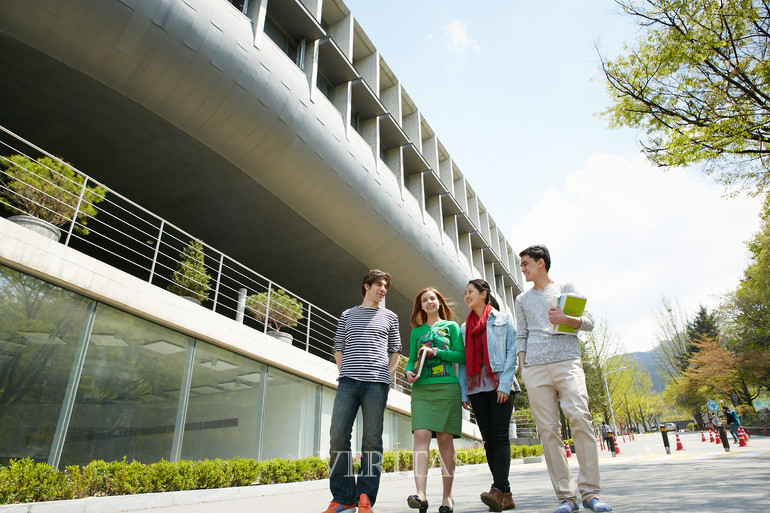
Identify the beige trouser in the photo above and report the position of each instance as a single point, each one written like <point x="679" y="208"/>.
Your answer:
<point x="564" y="382"/>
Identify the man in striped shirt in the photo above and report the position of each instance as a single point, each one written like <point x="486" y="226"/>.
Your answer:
<point x="366" y="348"/>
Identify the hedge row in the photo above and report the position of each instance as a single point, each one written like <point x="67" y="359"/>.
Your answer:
<point x="26" y="481"/>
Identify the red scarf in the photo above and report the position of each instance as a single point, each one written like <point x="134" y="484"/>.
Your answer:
<point x="476" y="352"/>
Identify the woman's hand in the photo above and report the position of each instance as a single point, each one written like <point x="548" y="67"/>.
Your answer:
<point x="501" y="397"/>
<point x="432" y="352"/>
<point x="411" y="377"/>
<point x="467" y="405"/>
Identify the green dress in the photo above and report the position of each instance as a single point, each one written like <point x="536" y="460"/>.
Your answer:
<point x="436" y="403"/>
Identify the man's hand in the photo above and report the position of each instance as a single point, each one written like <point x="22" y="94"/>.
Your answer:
<point x="556" y="316"/>
<point x="411" y="377"/>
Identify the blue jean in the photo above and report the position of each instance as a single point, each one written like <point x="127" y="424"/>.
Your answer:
<point x="371" y="398"/>
<point x="734" y="432"/>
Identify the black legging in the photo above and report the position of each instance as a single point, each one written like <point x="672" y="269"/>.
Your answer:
<point x="494" y="422"/>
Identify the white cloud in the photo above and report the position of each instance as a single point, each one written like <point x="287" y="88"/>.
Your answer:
<point x="459" y="41"/>
<point x="627" y="233"/>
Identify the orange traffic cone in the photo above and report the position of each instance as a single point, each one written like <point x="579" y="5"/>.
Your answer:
<point x="717" y="439"/>
<point x="711" y="436"/>
<point x="601" y="443"/>
<point x="702" y="436"/>
<point x="742" y="441"/>
<point x="617" y="447"/>
<point x="569" y="452"/>
<point x="679" y="446"/>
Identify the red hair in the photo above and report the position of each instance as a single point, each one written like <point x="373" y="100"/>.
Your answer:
<point x="419" y="317"/>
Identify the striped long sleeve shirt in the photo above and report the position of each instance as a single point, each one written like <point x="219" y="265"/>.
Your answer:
<point x="367" y="336"/>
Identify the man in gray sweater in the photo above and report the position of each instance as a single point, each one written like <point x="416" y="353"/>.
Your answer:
<point x="553" y="373"/>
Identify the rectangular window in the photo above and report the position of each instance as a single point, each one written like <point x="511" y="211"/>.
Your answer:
<point x="281" y="38"/>
<point x="41" y="328"/>
<point x="325" y="86"/>
<point x="127" y="400"/>
<point x="356" y="121"/>
<point x="239" y="4"/>
<point x="225" y="399"/>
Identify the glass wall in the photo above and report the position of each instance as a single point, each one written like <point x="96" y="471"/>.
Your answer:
<point x="224" y="407"/>
<point x="41" y="328"/>
<point x="291" y="401"/>
<point x="80" y="380"/>
<point x="128" y="396"/>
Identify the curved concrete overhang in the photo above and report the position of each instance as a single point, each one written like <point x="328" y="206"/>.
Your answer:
<point x="195" y="66"/>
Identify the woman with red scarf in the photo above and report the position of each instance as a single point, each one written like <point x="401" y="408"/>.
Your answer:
<point x="488" y="384"/>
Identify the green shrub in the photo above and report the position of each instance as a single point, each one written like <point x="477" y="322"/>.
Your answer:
<point x="26" y="481"/>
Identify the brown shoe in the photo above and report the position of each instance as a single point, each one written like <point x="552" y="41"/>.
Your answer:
<point x="508" y="501"/>
<point x="494" y="499"/>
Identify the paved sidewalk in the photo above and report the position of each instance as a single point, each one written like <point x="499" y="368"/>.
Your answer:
<point x="643" y="478"/>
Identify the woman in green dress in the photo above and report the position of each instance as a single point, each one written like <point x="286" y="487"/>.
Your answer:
<point x="436" y="402"/>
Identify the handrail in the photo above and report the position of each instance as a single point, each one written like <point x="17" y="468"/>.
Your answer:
<point x="128" y="236"/>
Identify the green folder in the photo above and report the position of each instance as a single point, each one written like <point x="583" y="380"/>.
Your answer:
<point x="572" y="305"/>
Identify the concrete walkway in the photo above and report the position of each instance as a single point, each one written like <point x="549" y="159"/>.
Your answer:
<point x="643" y="478"/>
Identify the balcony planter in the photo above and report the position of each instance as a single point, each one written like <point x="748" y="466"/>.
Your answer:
<point x="44" y="228"/>
<point x="48" y="190"/>
<point x="284" y="311"/>
<point x="191" y="278"/>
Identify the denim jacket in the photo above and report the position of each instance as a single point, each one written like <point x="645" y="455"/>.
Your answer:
<point x="501" y="346"/>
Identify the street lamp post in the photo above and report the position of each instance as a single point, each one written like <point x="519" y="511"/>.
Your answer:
<point x="609" y="399"/>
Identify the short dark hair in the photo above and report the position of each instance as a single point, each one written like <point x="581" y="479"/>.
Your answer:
<point x="483" y="286"/>
<point x="537" y="252"/>
<point x="374" y="275"/>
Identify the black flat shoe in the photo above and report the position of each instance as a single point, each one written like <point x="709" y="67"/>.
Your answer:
<point x="445" y="509"/>
<point x="415" y="502"/>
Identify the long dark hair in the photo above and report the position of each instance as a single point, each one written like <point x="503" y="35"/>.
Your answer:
<point x="483" y="286"/>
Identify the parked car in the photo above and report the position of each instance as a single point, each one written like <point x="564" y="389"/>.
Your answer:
<point x="671" y="427"/>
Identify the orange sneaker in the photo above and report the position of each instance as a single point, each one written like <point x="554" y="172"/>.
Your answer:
<point x="364" y="506"/>
<point x="336" y="507"/>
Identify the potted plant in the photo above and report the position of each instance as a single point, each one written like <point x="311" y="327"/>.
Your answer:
<point x="191" y="278"/>
<point x="46" y="193"/>
<point x="284" y="310"/>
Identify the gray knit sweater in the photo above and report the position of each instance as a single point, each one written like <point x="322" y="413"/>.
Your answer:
<point x="534" y="335"/>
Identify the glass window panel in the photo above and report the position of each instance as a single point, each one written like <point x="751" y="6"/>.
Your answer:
<point x="404" y="431"/>
<point x="127" y="401"/>
<point x="389" y="435"/>
<point x="223" y="410"/>
<point x="327" y="405"/>
<point x="292" y="419"/>
<point x="41" y="326"/>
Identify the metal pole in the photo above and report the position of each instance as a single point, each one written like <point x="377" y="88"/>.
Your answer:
<point x="219" y="280"/>
<point x="157" y="249"/>
<point x="267" y="306"/>
<point x="609" y="399"/>
<point x="241" y="305"/>
<point x="77" y="209"/>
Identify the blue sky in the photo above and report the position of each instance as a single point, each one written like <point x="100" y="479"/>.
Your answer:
<point x="513" y="89"/>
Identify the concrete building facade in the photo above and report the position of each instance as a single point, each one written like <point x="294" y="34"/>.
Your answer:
<point x="272" y="129"/>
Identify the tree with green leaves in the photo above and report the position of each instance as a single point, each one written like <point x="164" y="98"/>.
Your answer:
<point x="49" y="189"/>
<point x="697" y="82"/>
<point x="191" y="278"/>
<point x="746" y="312"/>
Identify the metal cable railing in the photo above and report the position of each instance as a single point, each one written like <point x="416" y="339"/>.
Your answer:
<point x="129" y="237"/>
